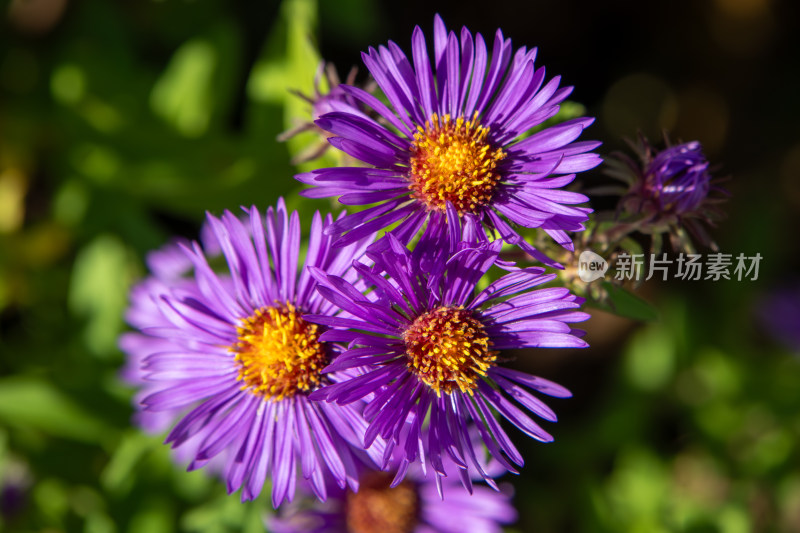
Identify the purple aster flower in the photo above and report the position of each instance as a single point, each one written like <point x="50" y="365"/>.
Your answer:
<point x="232" y="358"/>
<point x="668" y="190"/>
<point x="455" y="135"/>
<point x="413" y="505"/>
<point x="429" y="350"/>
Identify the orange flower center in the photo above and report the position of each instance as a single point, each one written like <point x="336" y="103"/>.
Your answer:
<point x="378" y="508"/>
<point x="279" y="353"/>
<point x="452" y="161"/>
<point x="448" y="349"/>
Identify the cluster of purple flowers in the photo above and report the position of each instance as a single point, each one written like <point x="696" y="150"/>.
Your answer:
<point x="368" y="366"/>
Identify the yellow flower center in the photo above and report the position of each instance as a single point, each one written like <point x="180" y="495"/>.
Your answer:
<point x="377" y="508"/>
<point x="453" y="162"/>
<point x="279" y="353"/>
<point x="448" y="348"/>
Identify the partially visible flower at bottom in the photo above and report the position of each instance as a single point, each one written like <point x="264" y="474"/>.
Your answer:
<point x="412" y="506"/>
<point x="230" y="359"/>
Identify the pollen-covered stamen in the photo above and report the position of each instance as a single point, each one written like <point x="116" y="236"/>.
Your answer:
<point x="279" y="353"/>
<point x="454" y="162"/>
<point x="448" y="349"/>
<point x="378" y="508"/>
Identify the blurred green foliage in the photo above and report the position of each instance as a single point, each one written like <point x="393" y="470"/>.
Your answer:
<point x="123" y="122"/>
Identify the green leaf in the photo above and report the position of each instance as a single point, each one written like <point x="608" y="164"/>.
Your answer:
<point x="290" y="62"/>
<point x="656" y="243"/>
<point x="631" y="246"/>
<point x="156" y="516"/>
<point x="290" y="59"/>
<point x="120" y="471"/>
<point x="68" y="84"/>
<point x="623" y="303"/>
<point x="650" y="358"/>
<point x="51" y="498"/>
<point x="182" y="94"/>
<point x="33" y="403"/>
<point x="98" y="290"/>
<point x="99" y="522"/>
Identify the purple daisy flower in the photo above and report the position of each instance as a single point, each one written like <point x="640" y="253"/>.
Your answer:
<point x="455" y="135"/>
<point x="413" y="505"/>
<point x="232" y="358"/>
<point x="429" y="349"/>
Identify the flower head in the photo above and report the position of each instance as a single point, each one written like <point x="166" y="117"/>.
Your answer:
<point x="431" y="351"/>
<point x="677" y="179"/>
<point x="231" y="358"/>
<point x="413" y="505"/>
<point x="453" y="143"/>
<point x="668" y="190"/>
